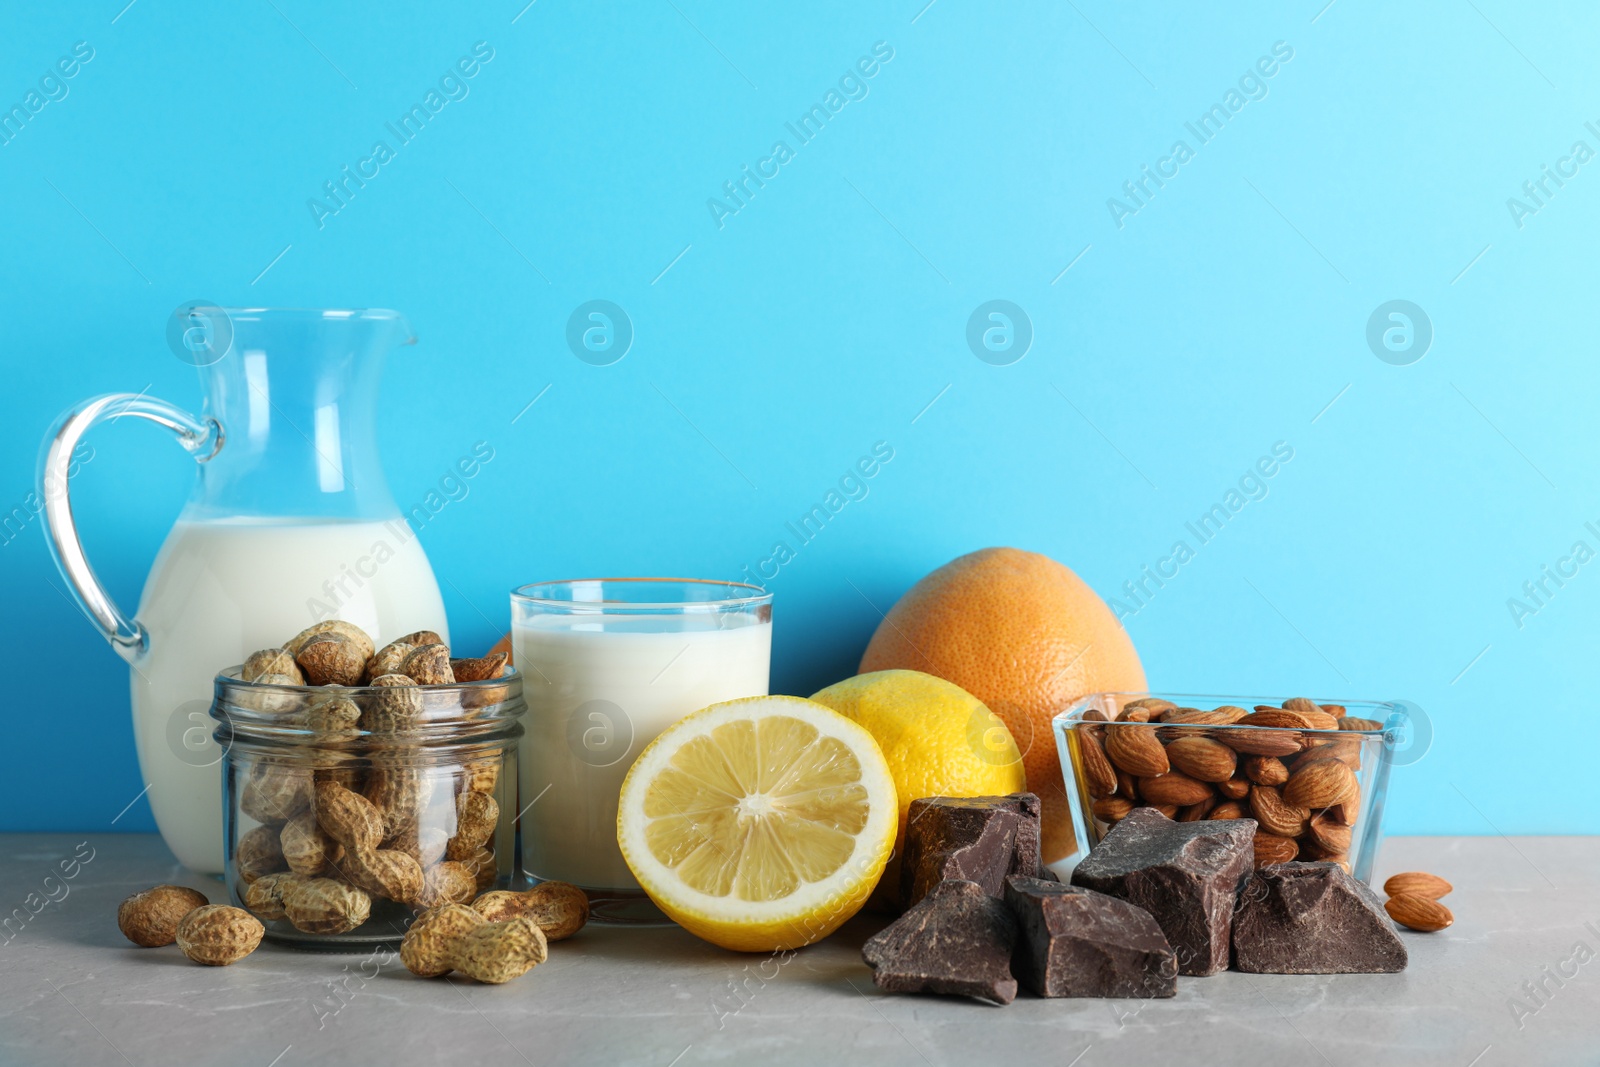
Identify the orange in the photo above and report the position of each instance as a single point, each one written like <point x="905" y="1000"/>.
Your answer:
<point x="1024" y="635"/>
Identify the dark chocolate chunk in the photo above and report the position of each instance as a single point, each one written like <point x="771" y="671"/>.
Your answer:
<point x="957" y="940"/>
<point x="1186" y="874"/>
<point x="977" y="839"/>
<point x="1313" y="918"/>
<point x="1074" y="942"/>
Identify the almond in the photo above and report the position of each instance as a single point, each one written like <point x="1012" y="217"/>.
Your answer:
<point x="1346" y="750"/>
<point x="1127" y="786"/>
<point x="1418" y="913"/>
<point x="1224" y="716"/>
<point x="1276" y="816"/>
<point x="1347" y="810"/>
<point x="1330" y="836"/>
<point x="1265" y="770"/>
<point x="1273" y="741"/>
<point x="1099" y="777"/>
<point x="1301" y="704"/>
<point x="1271" y="848"/>
<point x="1096" y="715"/>
<point x="1320" y="783"/>
<point x="1234" y="788"/>
<point x="1228" y="809"/>
<point x="1417" y="884"/>
<point x="1202" y="758"/>
<point x="1196" y="812"/>
<point x="1348" y="723"/>
<point x="1169" y="810"/>
<point x="1319" y="720"/>
<point x="1134" y="715"/>
<point x="1111" y="809"/>
<point x="1175" y="789"/>
<point x="1276" y="718"/>
<point x="1336" y="710"/>
<point x="1137" y="751"/>
<point x="1154" y="705"/>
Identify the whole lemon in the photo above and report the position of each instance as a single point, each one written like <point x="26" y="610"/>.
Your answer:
<point x="938" y="739"/>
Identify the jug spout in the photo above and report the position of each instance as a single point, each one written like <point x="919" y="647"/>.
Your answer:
<point x="296" y="393"/>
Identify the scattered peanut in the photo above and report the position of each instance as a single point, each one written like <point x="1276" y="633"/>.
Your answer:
<point x="454" y="937"/>
<point x="217" y="934"/>
<point x="150" y="918"/>
<point x="560" y="909"/>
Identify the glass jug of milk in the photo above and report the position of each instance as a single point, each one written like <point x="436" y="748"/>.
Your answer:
<point x="290" y="522"/>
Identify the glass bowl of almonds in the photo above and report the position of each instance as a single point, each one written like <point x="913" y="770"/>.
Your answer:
<point x="1311" y="773"/>
<point x="363" y="785"/>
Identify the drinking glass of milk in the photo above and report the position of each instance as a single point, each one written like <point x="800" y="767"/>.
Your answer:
<point x="607" y="664"/>
<point x="289" y="522"/>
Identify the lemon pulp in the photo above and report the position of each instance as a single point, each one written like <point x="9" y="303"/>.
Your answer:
<point x="760" y="823"/>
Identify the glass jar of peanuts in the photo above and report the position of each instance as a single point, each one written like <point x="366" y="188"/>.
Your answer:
<point x="348" y="810"/>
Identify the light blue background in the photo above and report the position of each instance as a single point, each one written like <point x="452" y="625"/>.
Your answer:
<point x="1227" y="315"/>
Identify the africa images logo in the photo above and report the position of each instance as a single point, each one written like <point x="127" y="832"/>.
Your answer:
<point x="1252" y="85"/>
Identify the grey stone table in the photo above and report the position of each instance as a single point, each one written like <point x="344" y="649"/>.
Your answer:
<point x="1514" y="981"/>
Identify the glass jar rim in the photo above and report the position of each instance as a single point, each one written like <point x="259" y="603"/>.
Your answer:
<point x="1393" y="713"/>
<point x="743" y="595"/>
<point x="457" y="711"/>
<point x="340" y="314"/>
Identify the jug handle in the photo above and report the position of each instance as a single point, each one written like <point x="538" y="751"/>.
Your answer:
<point x="200" y="437"/>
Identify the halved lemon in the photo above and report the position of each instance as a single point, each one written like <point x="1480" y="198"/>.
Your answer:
<point x="759" y="824"/>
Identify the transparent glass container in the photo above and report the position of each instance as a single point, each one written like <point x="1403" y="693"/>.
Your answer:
<point x="610" y="663"/>
<point x="1346" y="832"/>
<point x="348" y="810"/>
<point x="289" y="522"/>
